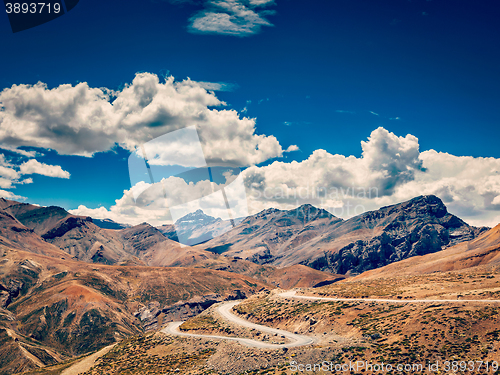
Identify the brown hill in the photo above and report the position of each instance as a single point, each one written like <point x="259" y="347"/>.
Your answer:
<point x="40" y="219"/>
<point x="138" y="245"/>
<point x="6" y="203"/>
<point x="55" y="308"/>
<point x="36" y="229"/>
<point x="295" y="276"/>
<point x="155" y="249"/>
<point x="86" y="241"/>
<point x="15" y="235"/>
<point x="273" y="235"/>
<point x="300" y="276"/>
<point x="484" y="251"/>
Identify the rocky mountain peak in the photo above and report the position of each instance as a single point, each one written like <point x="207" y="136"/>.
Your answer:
<point x="308" y="212"/>
<point x="426" y="204"/>
<point x="197" y="217"/>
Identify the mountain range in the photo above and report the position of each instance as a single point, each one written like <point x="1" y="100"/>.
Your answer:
<point x="307" y="235"/>
<point x="314" y="237"/>
<point x="71" y="284"/>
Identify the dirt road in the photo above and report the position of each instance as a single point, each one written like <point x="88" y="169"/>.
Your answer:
<point x="225" y="311"/>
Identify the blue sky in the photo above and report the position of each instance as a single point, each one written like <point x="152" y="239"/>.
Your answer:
<point x="321" y="75"/>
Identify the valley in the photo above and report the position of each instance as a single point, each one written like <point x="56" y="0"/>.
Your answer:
<point x="420" y="286"/>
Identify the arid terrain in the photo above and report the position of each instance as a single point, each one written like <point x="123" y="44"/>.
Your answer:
<point x="377" y="332"/>
<point x="65" y="310"/>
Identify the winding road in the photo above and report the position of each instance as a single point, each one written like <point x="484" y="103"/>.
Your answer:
<point x="225" y="311"/>
<point x="296" y="340"/>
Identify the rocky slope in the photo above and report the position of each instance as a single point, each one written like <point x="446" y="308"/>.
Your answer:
<point x="55" y="232"/>
<point x="33" y="228"/>
<point x="53" y="309"/>
<point x="270" y="234"/>
<point x="315" y="238"/>
<point x="16" y="235"/>
<point x="482" y="252"/>
<point x="306" y="235"/>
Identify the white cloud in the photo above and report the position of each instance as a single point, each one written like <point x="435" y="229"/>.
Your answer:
<point x="245" y="109"/>
<point x="10" y="195"/>
<point x="25" y="181"/>
<point x="35" y="167"/>
<point x="218" y="86"/>
<point x="231" y="17"/>
<point x="5" y="183"/>
<point x="387" y="161"/>
<point x="390" y="170"/>
<point x="80" y="120"/>
<point x="468" y="186"/>
<point x="10" y="174"/>
<point x="292" y="148"/>
<point x="154" y="202"/>
<point x="261" y="2"/>
<point x="30" y="154"/>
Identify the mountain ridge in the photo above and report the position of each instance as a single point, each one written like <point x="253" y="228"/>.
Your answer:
<point x="324" y="242"/>
<point x="306" y="235"/>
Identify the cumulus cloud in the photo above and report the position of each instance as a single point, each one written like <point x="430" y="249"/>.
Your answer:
<point x="387" y="161"/>
<point x="168" y="200"/>
<point x="260" y="2"/>
<point x="391" y="160"/>
<point x="11" y="174"/>
<point x="469" y="186"/>
<point x="5" y="183"/>
<point x="391" y="169"/>
<point x="35" y="167"/>
<point x="81" y="120"/>
<point x="231" y="17"/>
<point x="292" y="148"/>
<point x="10" y="195"/>
<point x="8" y="175"/>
